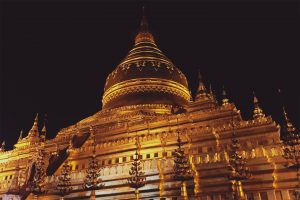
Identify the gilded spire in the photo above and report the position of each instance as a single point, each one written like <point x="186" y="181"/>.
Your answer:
<point x="34" y="131"/>
<point x="225" y="100"/>
<point x="258" y="113"/>
<point x="144" y="34"/>
<point x="212" y="94"/>
<point x="201" y="92"/>
<point x="2" y="148"/>
<point x="289" y="126"/>
<point x="21" y="135"/>
<point x="191" y="96"/>
<point x="144" y="22"/>
<point x="44" y="131"/>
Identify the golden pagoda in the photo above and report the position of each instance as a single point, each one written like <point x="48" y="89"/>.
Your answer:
<point x="146" y="107"/>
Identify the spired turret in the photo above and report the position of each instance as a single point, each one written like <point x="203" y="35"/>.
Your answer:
<point x="20" y="136"/>
<point x="34" y="131"/>
<point x="225" y="100"/>
<point x="204" y="99"/>
<point x="289" y="128"/>
<point x="146" y="78"/>
<point x="258" y="113"/>
<point x="32" y="137"/>
<point x="2" y="148"/>
<point x="44" y="132"/>
<point x="201" y="91"/>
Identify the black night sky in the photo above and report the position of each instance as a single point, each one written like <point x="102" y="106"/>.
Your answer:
<point x="55" y="56"/>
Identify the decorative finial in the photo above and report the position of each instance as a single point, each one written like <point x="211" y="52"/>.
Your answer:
<point x="44" y="131"/>
<point x="64" y="185"/>
<point x="212" y="94"/>
<point x="36" y="121"/>
<point x="258" y="113"/>
<point x="34" y="131"/>
<point x="137" y="177"/>
<point x="93" y="179"/>
<point x="182" y="167"/>
<point x="191" y="96"/>
<point x="144" y="34"/>
<point x="211" y="90"/>
<point x="289" y="126"/>
<point x="199" y="76"/>
<point x="201" y="92"/>
<point x="144" y="24"/>
<point x="36" y="185"/>
<point x="2" y="148"/>
<point x="237" y="166"/>
<point x="21" y="135"/>
<point x="225" y="100"/>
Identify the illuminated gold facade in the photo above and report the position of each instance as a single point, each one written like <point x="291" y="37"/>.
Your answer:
<point x="147" y="97"/>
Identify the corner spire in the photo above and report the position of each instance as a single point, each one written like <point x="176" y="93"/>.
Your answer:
<point x="212" y="94"/>
<point x="34" y="131"/>
<point x="225" y="100"/>
<point x="201" y="92"/>
<point x="2" y="148"/>
<point x="258" y="113"/>
<point x="289" y="126"/>
<point x="44" y="132"/>
<point x="20" y="136"/>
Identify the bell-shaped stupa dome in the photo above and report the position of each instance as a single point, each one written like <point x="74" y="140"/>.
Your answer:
<point x="145" y="77"/>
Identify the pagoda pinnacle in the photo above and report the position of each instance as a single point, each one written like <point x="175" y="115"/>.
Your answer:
<point x="44" y="132"/>
<point x="225" y="100"/>
<point x="144" y="34"/>
<point x="201" y="92"/>
<point x="289" y="126"/>
<point x="258" y="113"/>
<point x="21" y="135"/>
<point x="212" y="94"/>
<point x="34" y="129"/>
<point x="144" y="23"/>
<point x="2" y="148"/>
